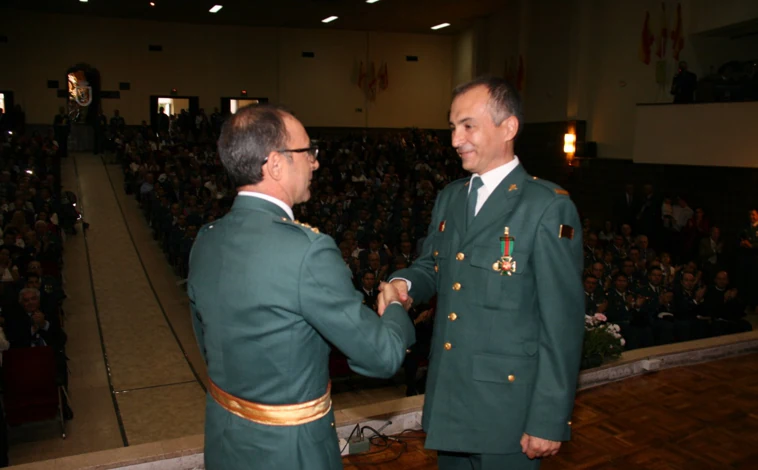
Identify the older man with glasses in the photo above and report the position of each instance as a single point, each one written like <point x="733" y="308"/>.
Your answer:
<point x="268" y="296"/>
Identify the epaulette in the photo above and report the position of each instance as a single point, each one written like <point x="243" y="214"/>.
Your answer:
<point x="205" y="228"/>
<point x="461" y="180"/>
<point x="312" y="229"/>
<point x="296" y="223"/>
<point x="549" y="185"/>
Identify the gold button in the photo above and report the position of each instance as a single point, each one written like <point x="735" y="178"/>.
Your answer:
<point x="436" y="253"/>
<point x="457" y="286"/>
<point x="511" y="378"/>
<point x="460" y="256"/>
<point x="448" y="346"/>
<point x="436" y="268"/>
<point x="407" y="351"/>
<point x="453" y="316"/>
<point x="332" y="423"/>
<point x="569" y="423"/>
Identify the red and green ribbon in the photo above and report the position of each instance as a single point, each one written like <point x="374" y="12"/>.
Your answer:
<point x="506" y="243"/>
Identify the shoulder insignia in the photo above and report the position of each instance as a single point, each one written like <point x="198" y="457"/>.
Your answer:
<point x="312" y="229"/>
<point x="513" y="187"/>
<point x="561" y="192"/>
<point x="566" y="231"/>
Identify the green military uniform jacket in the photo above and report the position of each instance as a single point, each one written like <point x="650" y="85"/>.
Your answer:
<point x="505" y="350"/>
<point x="267" y="296"/>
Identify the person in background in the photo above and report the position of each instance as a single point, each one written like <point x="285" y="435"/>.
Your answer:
<point x="684" y="84"/>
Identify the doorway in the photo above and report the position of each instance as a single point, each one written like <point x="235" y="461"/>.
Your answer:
<point x="173" y="106"/>
<point x="232" y="104"/>
<point x="183" y="108"/>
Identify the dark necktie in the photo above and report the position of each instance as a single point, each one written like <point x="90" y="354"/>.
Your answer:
<point x="476" y="183"/>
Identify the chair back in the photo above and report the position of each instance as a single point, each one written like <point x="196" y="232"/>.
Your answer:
<point x="31" y="390"/>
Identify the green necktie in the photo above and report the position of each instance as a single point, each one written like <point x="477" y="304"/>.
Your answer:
<point x="476" y="183"/>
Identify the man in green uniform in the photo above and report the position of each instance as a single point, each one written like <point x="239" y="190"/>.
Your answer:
<point x="504" y="255"/>
<point x="268" y="295"/>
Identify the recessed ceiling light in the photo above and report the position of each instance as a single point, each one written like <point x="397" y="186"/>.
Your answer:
<point x="84" y="1"/>
<point x="440" y="26"/>
<point x="371" y="1"/>
<point x="216" y="8"/>
<point x="329" y="19"/>
<point x="152" y="4"/>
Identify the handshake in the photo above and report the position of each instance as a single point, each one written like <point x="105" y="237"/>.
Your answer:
<point x="393" y="291"/>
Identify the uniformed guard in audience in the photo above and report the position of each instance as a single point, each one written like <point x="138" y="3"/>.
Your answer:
<point x="504" y="255"/>
<point x="267" y="293"/>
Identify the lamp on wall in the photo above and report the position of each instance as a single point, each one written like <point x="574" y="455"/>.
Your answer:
<point x="243" y="92"/>
<point x="569" y="145"/>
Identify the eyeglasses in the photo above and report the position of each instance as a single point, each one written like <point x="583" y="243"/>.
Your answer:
<point x="311" y="151"/>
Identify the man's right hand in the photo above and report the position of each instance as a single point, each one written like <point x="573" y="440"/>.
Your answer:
<point x="396" y="290"/>
<point x="39" y="319"/>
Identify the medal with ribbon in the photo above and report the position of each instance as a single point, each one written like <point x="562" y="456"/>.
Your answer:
<point x="506" y="264"/>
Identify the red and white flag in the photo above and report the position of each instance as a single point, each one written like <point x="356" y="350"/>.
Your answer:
<point x="361" y="76"/>
<point x="384" y="79"/>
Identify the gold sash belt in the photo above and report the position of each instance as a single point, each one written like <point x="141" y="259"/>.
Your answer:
<point x="274" y="415"/>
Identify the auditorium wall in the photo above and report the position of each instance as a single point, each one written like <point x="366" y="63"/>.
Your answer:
<point x="213" y="62"/>
<point x="711" y="14"/>
<point x="463" y="57"/>
<point x="582" y="62"/>
<point x="726" y="137"/>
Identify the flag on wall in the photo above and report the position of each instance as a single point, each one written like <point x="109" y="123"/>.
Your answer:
<point x="663" y="36"/>
<point x="361" y="76"/>
<point x="520" y="74"/>
<point x="646" y="40"/>
<point x="372" y="82"/>
<point x="677" y="34"/>
<point x="384" y="79"/>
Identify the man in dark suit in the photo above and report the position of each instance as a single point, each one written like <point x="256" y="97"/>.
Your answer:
<point x="625" y="207"/>
<point x="504" y="256"/>
<point x="268" y="295"/>
<point x="30" y="326"/>
<point x="368" y="282"/>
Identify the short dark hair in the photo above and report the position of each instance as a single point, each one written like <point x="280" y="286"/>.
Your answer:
<point x="504" y="102"/>
<point x="247" y="138"/>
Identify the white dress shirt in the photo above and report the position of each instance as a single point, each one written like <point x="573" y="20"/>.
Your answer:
<point x="268" y="198"/>
<point x="492" y="180"/>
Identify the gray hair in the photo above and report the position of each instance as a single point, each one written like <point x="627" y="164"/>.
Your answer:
<point x="26" y="290"/>
<point x="504" y="101"/>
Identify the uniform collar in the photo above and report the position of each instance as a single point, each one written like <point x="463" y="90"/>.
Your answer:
<point x="494" y="177"/>
<point x="252" y="200"/>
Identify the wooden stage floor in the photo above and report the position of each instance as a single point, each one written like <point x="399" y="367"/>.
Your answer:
<point x="703" y="416"/>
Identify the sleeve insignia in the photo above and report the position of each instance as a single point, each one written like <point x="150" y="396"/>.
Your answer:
<point x="566" y="231"/>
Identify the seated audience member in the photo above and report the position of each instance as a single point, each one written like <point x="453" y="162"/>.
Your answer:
<point x="370" y="294"/>
<point x="710" y="253"/>
<point x="725" y="307"/>
<point x="690" y="323"/>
